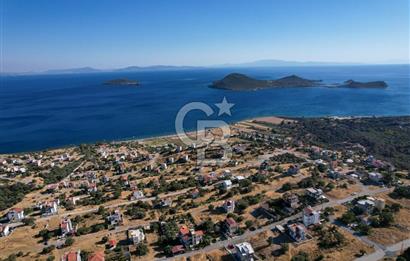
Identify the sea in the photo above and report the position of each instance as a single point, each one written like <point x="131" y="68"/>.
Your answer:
<point x="39" y="112"/>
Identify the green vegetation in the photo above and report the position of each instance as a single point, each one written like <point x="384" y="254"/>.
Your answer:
<point x="386" y="138"/>
<point x="405" y="256"/>
<point x="56" y="174"/>
<point x="401" y="192"/>
<point x="287" y="158"/>
<point x="11" y="194"/>
<point x="301" y="256"/>
<point x="141" y="249"/>
<point x="330" y="237"/>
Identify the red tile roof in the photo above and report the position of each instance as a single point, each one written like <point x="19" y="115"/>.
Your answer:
<point x="177" y="249"/>
<point x="183" y="230"/>
<point x="231" y="222"/>
<point x="71" y="256"/>
<point x="98" y="256"/>
<point x="112" y="242"/>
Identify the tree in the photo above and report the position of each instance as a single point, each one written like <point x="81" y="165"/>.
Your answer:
<point x="386" y="218"/>
<point x="29" y="221"/>
<point x="69" y="241"/>
<point x="331" y="237"/>
<point x="248" y="223"/>
<point x="364" y="229"/>
<point x="405" y="256"/>
<point x="285" y="247"/>
<point x="301" y="256"/>
<point x="141" y="249"/>
<point x="348" y="217"/>
<point x="211" y="207"/>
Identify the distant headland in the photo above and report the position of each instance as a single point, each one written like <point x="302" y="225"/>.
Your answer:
<point x="241" y="82"/>
<point x="122" y="81"/>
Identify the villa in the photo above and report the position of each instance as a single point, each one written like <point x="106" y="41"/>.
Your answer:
<point x="15" y="214"/>
<point x="244" y="251"/>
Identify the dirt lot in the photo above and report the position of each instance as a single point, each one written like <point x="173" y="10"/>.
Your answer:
<point x="344" y="253"/>
<point x="394" y="234"/>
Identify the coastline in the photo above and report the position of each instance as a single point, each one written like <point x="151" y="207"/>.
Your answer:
<point x="271" y="119"/>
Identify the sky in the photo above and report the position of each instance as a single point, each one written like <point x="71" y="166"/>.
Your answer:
<point x="48" y="34"/>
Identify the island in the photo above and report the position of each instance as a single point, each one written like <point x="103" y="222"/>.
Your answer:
<point x="122" y="81"/>
<point x="242" y="82"/>
<point x="355" y="84"/>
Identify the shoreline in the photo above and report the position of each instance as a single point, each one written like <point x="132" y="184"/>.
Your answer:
<point x="174" y="135"/>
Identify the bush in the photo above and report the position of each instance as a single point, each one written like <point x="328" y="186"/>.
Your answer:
<point x="69" y="241"/>
<point x="141" y="249"/>
<point x="301" y="256"/>
<point x="48" y="249"/>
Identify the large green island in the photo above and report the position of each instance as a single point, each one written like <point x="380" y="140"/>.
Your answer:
<point x="241" y="82"/>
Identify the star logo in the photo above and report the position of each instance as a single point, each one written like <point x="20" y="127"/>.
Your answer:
<point x="224" y="107"/>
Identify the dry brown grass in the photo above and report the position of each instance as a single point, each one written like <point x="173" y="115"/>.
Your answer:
<point x="339" y="193"/>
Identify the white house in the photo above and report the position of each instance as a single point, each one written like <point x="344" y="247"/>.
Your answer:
<point x="375" y="176"/>
<point x="226" y="184"/>
<point x="244" y="251"/>
<point x="49" y="208"/>
<point x="367" y="205"/>
<point x="4" y="230"/>
<point x="136" y="235"/>
<point x="315" y="193"/>
<point x="310" y="216"/>
<point x="137" y="194"/>
<point x="66" y="227"/>
<point x="115" y="218"/>
<point x="15" y="214"/>
<point x="229" y="206"/>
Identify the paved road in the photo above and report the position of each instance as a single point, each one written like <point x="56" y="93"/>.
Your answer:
<point x="116" y="205"/>
<point x="389" y="251"/>
<point x="243" y="237"/>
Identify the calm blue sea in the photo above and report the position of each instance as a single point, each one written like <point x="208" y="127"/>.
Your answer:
<point x="39" y="112"/>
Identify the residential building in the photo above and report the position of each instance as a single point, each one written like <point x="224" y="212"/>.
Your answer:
<point x="292" y="170"/>
<point x="367" y="205"/>
<point x="4" y="230"/>
<point x="315" y="193"/>
<point x="49" y="208"/>
<point x="15" y="214"/>
<point x="97" y="256"/>
<point x="310" y="216"/>
<point x="189" y="237"/>
<point x="333" y="174"/>
<point x="115" y="218"/>
<point x="296" y="231"/>
<point x="244" y="251"/>
<point x="229" y="206"/>
<point x="72" y="256"/>
<point x="375" y="177"/>
<point x="291" y="200"/>
<point x="137" y="194"/>
<point x="379" y="203"/>
<point x="230" y="226"/>
<point x="66" y="227"/>
<point x="178" y="249"/>
<point x="226" y="184"/>
<point x="136" y="236"/>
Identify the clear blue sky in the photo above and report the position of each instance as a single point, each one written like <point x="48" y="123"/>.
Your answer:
<point x="48" y="34"/>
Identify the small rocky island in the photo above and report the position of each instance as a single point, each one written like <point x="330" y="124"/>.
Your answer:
<point x="241" y="82"/>
<point x="355" y="84"/>
<point x="121" y="82"/>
